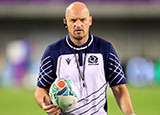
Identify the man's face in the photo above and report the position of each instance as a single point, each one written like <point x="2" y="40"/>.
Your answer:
<point x="78" y="23"/>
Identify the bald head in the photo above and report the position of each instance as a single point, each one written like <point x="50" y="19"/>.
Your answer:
<point x="76" y="8"/>
<point x="78" y="22"/>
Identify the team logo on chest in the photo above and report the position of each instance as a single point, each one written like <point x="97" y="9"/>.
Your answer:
<point x="68" y="61"/>
<point x="93" y="60"/>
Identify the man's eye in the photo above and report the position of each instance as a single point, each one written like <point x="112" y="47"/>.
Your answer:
<point x="82" y="20"/>
<point x="73" y="20"/>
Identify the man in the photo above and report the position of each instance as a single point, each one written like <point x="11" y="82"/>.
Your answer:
<point x="89" y="62"/>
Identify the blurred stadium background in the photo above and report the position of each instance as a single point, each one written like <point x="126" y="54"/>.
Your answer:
<point x="28" y="26"/>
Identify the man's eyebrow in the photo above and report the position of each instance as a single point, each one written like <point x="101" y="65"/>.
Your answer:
<point x="73" y="18"/>
<point x="83" y="18"/>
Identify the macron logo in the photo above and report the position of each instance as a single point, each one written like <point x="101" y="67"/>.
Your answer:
<point x="68" y="61"/>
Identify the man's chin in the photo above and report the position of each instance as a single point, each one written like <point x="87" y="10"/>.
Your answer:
<point x="78" y="37"/>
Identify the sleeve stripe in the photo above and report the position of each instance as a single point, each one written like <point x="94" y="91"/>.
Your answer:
<point x="42" y="84"/>
<point x="45" y="59"/>
<point x="45" y="64"/>
<point x="116" y="76"/>
<point x="45" y="69"/>
<point x="114" y="60"/>
<point x="40" y="79"/>
<point x="116" y="66"/>
<point x="46" y="80"/>
<point x="115" y="70"/>
<point x="114" y="56"/>
<point x="110" y="68"/>
<point x="46" y="75"/>
<point x="121" y="79"/>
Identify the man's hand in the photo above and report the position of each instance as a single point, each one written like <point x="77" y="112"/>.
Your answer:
<point x="50" y="108"/>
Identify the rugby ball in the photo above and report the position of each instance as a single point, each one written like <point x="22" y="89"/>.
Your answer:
<point x="63" y="93"/>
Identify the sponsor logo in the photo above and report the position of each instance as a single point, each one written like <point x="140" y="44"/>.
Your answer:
<point x="68" y="61"/>
<point x="93" y="60"/>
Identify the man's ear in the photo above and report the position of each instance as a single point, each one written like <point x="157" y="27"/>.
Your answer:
<point x="65" y="22"/>
<point x="90" y="19"/>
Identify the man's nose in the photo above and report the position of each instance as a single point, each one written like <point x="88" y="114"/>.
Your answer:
<point x="78" y="23"/>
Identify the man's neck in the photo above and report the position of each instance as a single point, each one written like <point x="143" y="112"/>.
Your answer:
<point x="79" y="42"/>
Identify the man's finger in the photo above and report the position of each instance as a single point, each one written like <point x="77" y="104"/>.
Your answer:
<point x="48" y="107"/>
<point x="53" y="111"/>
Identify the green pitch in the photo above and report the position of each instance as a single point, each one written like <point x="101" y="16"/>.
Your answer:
<point x="146" y="101"/>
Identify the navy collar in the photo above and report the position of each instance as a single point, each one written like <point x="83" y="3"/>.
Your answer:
<point x="84" y="46"/>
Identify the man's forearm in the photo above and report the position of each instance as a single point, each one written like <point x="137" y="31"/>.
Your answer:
<point x="123" y="99"/>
